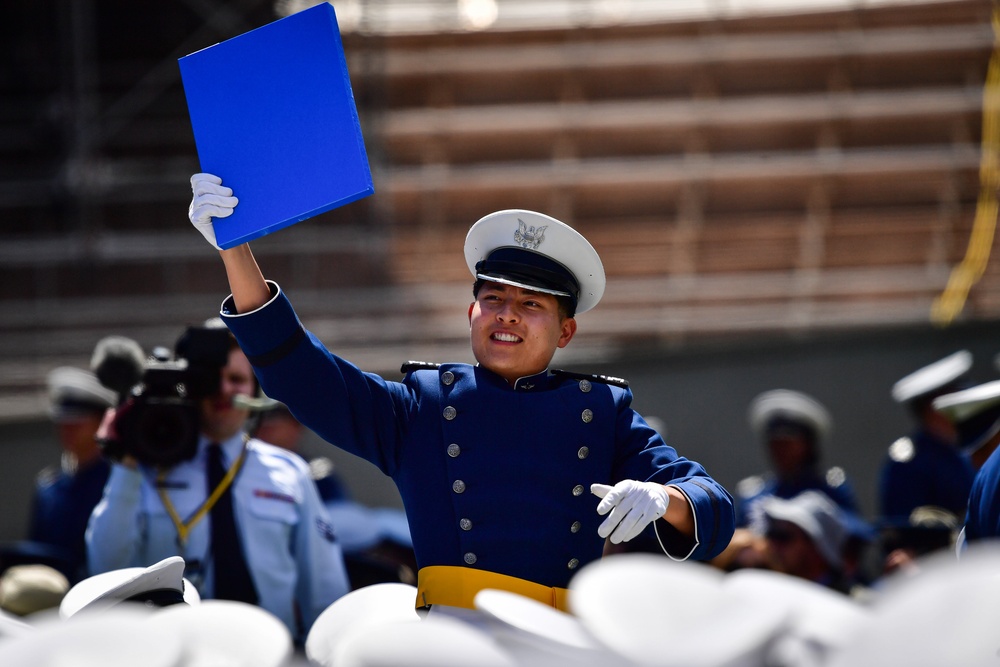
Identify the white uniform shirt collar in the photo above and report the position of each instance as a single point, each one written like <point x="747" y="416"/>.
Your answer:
<point x="230" y="448"/>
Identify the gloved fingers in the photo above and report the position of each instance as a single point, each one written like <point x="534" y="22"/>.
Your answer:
<point x="202" y="188"/>
<point x="601" y="491"/>
<point x="630" y="529"/>
<point x="203" y="180"/>
<point x="205" y="207"/>
<point x="621" y="514"/>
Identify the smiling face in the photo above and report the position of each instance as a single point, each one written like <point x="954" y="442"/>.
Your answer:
<point x="515" y="331"/>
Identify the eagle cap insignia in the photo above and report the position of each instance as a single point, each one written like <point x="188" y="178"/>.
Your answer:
<point x="529" y="237"/>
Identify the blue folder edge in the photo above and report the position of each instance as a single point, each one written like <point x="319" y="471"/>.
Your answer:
<point x="273" y="114"/>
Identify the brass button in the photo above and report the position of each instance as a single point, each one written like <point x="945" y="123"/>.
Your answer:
<point x="587" y="416"/>
<point x="578" y="490"/>
<point x="575" y="528"/>
<point x="458" y="486"/>
<point x="583" y="452"/>
<point x="447" y="377"/>
<point x="585" y="386"/>
<point x="470" y="558"/>
<point x="573" y="563"/>
<point x="465" y="524"/>
<point x="454" y="450"/>
<point x="450" y="413"/>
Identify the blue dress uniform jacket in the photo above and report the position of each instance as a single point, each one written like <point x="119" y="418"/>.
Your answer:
<point x="922" y="470"/>
<point x="752" y="490"/>
<point x="982" y="521"/>
<point x="293" y="557"/>
<point x="61" y="508"/>
<point x="493" y="477"/>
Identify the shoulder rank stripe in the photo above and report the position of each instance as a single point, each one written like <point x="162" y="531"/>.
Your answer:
<point x="603" y="379"/>
<point x="411" y="366"/>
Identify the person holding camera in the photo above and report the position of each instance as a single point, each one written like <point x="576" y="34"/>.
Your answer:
<point x="188" y="481"/>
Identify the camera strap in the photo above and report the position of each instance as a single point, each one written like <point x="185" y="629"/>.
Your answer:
<point x="184" y="526"/>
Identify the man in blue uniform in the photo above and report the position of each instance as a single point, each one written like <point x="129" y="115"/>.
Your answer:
<point x="928" y="468"/>
<point x="493" y="461"/>
<point x="245" y="515"/>
<point x="792" y="427"/>
<point x="976" y="414"/>
<point x="65" y="496"/>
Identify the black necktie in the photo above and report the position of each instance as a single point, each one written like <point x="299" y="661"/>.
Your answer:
<point x="232" y="579"/>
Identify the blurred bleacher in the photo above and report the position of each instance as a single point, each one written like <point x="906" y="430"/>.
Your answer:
<point x="740" y="174"/>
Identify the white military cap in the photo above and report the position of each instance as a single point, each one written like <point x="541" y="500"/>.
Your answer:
<point x="817" y="515"/>
<point x="967" y="403"/>
<point x="932" y="377"/>
<point x="538" y="634"/>
<point x="819" y="622"/>
<point x="975" y="412"/>
<point x="945" y="614"/>
<point x="74" y="392"/>
<point x="161" y="584"/>
<point x="225" y="632"/>
<point x="435" y="641"/>
<point x="536" y="252"/>
<point x="117" y="638"/>
<point x="791" y="406"/>
<point x="377" y="604"/>
<point x="619" y="601"/>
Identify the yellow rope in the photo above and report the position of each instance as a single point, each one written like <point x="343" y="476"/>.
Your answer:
<point x="950" y="303"/>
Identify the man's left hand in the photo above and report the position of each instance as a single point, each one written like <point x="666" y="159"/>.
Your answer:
<point x="632" y="504"/>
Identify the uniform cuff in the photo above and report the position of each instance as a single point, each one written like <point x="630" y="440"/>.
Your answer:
<point x="675" y="544"/>
<point x="259" y="332"/>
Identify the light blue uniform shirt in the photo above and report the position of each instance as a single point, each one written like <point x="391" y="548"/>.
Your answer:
<point x="290" y="548"/>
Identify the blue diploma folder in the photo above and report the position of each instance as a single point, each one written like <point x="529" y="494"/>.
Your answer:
<point x="273" y="115"/>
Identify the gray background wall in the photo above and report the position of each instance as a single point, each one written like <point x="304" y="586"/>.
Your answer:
<point x="701" y="393"/>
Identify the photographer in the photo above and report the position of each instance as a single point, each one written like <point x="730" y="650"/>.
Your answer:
<point x="250" y="527"/>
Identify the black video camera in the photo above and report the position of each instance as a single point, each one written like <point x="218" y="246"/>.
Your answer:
<point x="158" y="420"/>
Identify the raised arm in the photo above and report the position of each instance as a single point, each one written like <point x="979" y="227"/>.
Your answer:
<point x="210" y="199"/>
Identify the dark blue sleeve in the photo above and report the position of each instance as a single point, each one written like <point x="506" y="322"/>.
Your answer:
<point x="643" y="455"/>
<point x="359" y="412"/>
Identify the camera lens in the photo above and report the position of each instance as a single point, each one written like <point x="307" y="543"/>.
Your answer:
<point x="166" y="432"/>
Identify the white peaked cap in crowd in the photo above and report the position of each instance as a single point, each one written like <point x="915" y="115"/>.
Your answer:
<point x="791" y="405"/>
<point x="558" y="248"/>
<point x="967" y="403"/>
<point x="945" y="614"/>
<point x="974" y="411"/>
<point x="374" y="605"/>
<point x="435" y="641"/>
<point x="119" y="637"/>
<point x="819" y="622"/>
<point x="225" y="633"/>
<point x="109" y="589"/>
<point x="817" y="515"/>
<point x="73" y="391"/>
<point x="932" y="377"/>
<point x="655" y="611"/>
<point x="538" y="634"/>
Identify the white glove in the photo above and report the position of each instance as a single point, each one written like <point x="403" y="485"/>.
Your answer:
<point x="210" y="200"/>
<point x="632" y="505"/>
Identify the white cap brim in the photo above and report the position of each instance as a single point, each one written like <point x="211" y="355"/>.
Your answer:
<point x="932" y="377"/>
<point x="108" y="589"/>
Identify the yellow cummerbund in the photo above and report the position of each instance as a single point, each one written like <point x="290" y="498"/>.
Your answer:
<point x="457" y="587"/>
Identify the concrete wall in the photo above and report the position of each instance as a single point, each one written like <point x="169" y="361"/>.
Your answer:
<point x="700" y="392"/>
